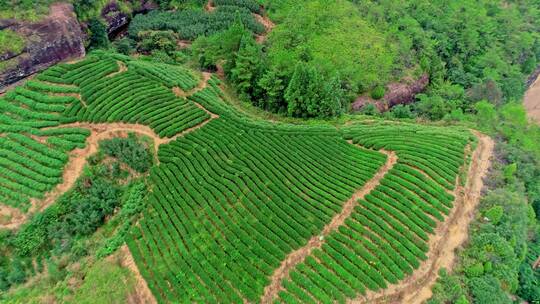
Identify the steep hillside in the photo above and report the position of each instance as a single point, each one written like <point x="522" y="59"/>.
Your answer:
<point x="237" y="209"/>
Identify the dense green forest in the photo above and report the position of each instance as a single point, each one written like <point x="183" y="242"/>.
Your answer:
<point x="471" y="50"/>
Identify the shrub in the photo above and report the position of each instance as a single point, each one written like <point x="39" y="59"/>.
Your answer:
<point x="378" y="92"/>
<point x="128" y="150"/>
<point x="98" y="34"/>
<point x="125" y="46"/>
<point x="157" y="40"/>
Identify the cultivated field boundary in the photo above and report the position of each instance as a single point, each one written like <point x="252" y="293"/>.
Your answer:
<point x="77" y="157"/>
<point x="299" y="255"/>
<point x="449" y="235"/>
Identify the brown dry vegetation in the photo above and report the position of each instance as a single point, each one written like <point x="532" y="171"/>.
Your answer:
<point x="531" y="100"/>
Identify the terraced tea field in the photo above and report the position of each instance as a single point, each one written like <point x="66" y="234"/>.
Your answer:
<point x="241" y="209"/>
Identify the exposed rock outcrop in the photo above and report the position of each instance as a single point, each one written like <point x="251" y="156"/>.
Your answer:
<point x="117" y="20"/>
<point x="55" y="38"/>
<point x="402" y="92"/>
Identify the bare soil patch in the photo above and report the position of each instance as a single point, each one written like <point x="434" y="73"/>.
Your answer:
<point x="449" y="235"/>
<point x="12" y="218"/>
<point x="209" y="7"/>
<point x="268" y="26"/>
<point x="121" y="68"/>
<point x="299" y="255"/>
<point x="142" y="293"/>
<point x="183" y="43"/>
<point x="531" y="101"/>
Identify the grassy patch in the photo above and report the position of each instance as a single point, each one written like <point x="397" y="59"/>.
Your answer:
<point x="24" y="10"/>
<point x="105" y="282"/>
<point x="11" y="42"/>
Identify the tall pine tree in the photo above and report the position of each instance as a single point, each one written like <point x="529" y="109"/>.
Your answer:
<point x="246" y="66"/>
<point x="332" y="98"/>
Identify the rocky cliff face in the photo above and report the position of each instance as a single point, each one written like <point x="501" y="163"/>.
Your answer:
<point x="53" y="39"/>
<point x="402" y="92"/>
<point x="117" y="20"/>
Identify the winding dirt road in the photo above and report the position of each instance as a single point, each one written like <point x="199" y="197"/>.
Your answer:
<point x="77" y="157"/>
<point x="298" y="256"/>
<point x="449" y="235"/>
<point x="142" y="293"/>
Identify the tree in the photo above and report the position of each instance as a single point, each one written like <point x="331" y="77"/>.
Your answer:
<point x="157" y="40"/>
<point x="529" y="283"/>
<point x="83" y="7"/>
<point x="272" y="84"/>
<point x="302" y="93"/>
<point x="486" y="115"/>
<point x="246" y="66"/>
<point x="332" y="98"/>
<point x="487" y="290"/>
<point x="98" y="34"/>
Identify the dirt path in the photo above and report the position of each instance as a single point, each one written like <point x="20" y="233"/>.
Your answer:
<point x="209" y="7"/>
<point x="13" y="217"/>
<point x="531" y="101"/>
<point x="77" y="160"/>
<point x="142" y="293"/>
<point x="299" y="255"/>
<point x="202" y="85"/>
<point x="121" y="68"/>
<point x="268" y="26"/>
<point x="449" y="235"/>
<point x="536" y="263"/>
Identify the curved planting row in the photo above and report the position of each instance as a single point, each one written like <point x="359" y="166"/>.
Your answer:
<point x="437" y="152"/>
<point x="171" y="76"/>
<point x="230" y="202"/>
<point x="233" y="199"/>
<point x="141" y="95"/>
<point x="33" y="145"/>
<point x="33" y="151"/>
<point x="386" y="237"/>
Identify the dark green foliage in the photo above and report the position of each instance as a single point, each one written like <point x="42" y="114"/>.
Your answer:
<point x="157" y="40"/>
<point x="130" y="151"/>
<point x="98" y="34"/>
<point x="402" y="111"/>
<point x="125" y="46"/>
<point x="92" y="206"/>
<point x="448" y="289"/>
<point x="529" y="283"/>
<point x="179" y="4"/>
<point x="332" y="98"/>
<point x="310" y="95"/>
<point x="251" y="5"/>
<point x="83" y="6"/>
<point x="61" y="229"/>
<point x="190" y="24"/>
<point x="77" y="213"/>
<point x="377" y="92"/>
<point x="132" y="206"/>
<point x="246" y="66"/>
<point x="273" y="84"/>
<point x="224" y="45"/>
<point x="487" y="290"/>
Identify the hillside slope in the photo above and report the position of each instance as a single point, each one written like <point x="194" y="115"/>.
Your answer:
<point x="241" y="209"/>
